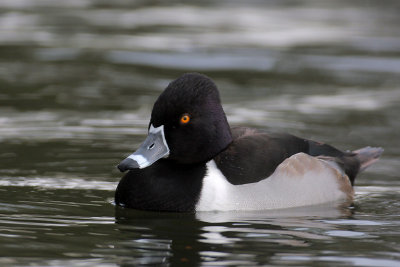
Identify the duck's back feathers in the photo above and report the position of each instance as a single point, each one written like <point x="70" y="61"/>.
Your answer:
<point x="254" y="155"/>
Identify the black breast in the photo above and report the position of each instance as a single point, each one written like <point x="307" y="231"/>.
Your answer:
<point x="163" y="186"/>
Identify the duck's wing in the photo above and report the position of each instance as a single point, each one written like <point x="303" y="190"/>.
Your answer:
<point x="254" y="155"/>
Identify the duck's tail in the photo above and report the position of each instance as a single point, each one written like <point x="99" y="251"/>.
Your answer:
<point x="367" y="156"/>
<point x="353" y="162"/>
<point x="356" y="161"/>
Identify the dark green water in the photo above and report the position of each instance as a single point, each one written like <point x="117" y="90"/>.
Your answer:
<point x="77" y="83"/>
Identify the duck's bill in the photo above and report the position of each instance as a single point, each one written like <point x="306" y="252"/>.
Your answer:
<point x="153" y="148"/>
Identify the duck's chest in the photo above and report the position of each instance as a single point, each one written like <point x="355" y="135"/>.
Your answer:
<point x="161" y="187"/>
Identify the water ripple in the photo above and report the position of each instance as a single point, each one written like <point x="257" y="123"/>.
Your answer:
<point x="59" y="183"/>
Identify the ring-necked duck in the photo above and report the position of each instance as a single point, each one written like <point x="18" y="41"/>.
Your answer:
<point x="192" y="160"/>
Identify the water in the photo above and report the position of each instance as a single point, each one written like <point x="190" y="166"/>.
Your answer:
<point x="77" y="83"/>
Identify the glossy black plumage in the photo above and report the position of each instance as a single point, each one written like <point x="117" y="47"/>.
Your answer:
<point x="254" y="155"/>
<point x="208" y="132"/>
<point x="165" y="185"/>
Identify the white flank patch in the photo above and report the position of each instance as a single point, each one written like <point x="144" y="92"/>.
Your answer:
<point x="300" y="180"/>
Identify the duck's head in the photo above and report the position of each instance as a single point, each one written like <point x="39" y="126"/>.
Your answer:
<point x="187" y="125"/>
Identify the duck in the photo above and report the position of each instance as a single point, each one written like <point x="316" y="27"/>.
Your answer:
<point x="192" y="160"/>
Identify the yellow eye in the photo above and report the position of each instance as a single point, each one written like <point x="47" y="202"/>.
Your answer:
<point x="185" y="119"/>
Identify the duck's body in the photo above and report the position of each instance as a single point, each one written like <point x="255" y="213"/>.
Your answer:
<point x="193" y="161"/>
<point x="300" y="180"/>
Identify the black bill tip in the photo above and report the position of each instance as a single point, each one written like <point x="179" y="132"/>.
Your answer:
<point x="128" y="164"/>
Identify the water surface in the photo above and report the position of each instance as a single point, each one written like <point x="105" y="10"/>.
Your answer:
<point x="77" y="83"/>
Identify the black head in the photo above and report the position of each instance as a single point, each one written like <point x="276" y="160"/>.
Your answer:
<point x="195" y="125"/>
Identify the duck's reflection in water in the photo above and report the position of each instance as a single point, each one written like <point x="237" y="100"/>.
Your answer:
<point x="195" y="238"/>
